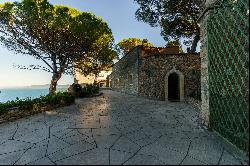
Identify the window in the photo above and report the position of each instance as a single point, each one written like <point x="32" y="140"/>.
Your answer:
<point x="101" y="75"/>
<point x="130" y="79"/>
<point x="121" y="82"/>
<point x="117" y="82"/>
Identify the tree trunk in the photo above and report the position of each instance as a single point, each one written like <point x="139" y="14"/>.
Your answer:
<point x="53" y="84"/>
<point x="195" y="42"/>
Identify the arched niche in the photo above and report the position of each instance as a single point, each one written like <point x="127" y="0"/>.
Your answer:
<point x="180" y="84"/>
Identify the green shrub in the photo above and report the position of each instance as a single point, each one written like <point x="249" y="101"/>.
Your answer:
<point x="58" y="98"/>
<point x="75" y="89"/>
<point x="55" y="100"/>
<point x="90" y="89"/>
<point x="21" y="103"/>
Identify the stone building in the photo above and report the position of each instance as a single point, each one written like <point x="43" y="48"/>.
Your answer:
<point x="124" y="77"/>
<point x="158" y="73"/>
<point x="101" y="78"/>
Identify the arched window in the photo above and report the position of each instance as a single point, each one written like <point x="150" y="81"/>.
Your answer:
<point x="117" y="82"/>
<point x="130" y="79"/>
<point x="121" y="82"/>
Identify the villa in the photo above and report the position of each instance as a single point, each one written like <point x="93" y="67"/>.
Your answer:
<point x="101" y="78"/>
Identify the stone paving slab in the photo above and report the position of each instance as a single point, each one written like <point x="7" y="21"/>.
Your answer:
<point x="113" y="129"/>
<point x="98" y="156"/>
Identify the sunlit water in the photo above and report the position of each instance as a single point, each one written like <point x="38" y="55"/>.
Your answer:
<point x="8" y="94"/>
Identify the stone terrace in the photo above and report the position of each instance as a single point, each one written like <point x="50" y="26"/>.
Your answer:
<point x="114" y="129"/>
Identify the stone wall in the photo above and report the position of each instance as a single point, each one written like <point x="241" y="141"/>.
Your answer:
<point x="153" y="70"/>
<point x="204" y="66"/>
<point x="204" y="78"/>
<point x="124" y="77"/>
<point x="143" y="72"/>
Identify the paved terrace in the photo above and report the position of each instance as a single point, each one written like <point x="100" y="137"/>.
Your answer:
<point x="113" y="129"/>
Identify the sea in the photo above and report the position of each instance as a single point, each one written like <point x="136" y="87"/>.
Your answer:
<point x="8" y="94"/>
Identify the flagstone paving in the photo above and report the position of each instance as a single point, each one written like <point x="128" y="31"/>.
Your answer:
<point x="114" y="129"/>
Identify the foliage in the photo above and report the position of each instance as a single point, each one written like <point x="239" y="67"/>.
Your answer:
<point x="60" y="98"/>
<point x="78" y="91"/>
<point x="177" y="18"/>
<point x="75" y="89"/>
<point x="128" y="44"/>
<point x="63" y="38"/>
<point x="175" y="43"/>
<point x="90" y="89"/>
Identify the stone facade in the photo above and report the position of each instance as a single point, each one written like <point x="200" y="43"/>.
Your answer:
<point x="154" y="69"/>
<point x="151" y="68"/>
<point x="124" y="77"/>
<point x="204" y="71"/>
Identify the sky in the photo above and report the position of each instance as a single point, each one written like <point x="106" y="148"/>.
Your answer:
<point x="120" y="17"/>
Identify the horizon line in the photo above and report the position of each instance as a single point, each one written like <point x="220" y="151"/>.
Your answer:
<point x="20" y="86"/>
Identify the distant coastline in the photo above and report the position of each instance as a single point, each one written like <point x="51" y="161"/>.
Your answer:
<point x="46" y="86"/>
<point x="33" y="86"/>
<point x="33" y="91"/>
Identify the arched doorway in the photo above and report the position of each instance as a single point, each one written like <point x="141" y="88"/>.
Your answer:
<point x="173" y="87"/>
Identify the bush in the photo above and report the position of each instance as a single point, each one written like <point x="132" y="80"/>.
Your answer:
<point x="79" y="91"/>
<point x="90" y="89"/>
<point x="63" y="98"/>
<point x="75" y="89"/>
<point x="56" y="100"/>
<point x="22" y="104"/>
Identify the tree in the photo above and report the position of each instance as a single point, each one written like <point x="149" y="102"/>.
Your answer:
<point x="63" y="38"/>
<point x="175" y="43"/>
<point x="177" y="18"/>
<point x="127" y="44"/>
